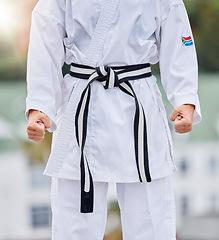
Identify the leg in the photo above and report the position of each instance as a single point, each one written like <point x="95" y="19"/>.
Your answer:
<point x="67" y="221"/>
<point x="147" y="210"/>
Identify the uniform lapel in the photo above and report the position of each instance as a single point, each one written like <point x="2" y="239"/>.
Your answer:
<point x="107" y="14"/>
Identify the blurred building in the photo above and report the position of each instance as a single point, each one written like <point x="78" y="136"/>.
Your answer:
<point x="24" y="197"/>
<point x="24" y="191"/>
<point x="204" y="227"/>
<point x="197" y="157"/>
<point x="197" y="182"/>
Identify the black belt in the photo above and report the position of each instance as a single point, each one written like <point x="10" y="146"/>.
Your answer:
<point x="109" y="76"/>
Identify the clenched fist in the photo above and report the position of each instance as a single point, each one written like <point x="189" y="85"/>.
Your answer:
<point x="38" y="123"/>
<point x="183" y="118"/>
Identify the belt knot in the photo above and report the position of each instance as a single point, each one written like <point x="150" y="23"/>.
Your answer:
<point x="107" y="76"/>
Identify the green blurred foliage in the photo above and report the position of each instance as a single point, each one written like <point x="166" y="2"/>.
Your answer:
<point x="204" y="18"/>
<point x="38" y="153"/>
<point x="115" y="235"/>
<point x="12" y="68"/>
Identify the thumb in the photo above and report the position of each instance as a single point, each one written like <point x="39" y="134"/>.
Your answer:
<point x="47" y="123"/>
<point x="41" y="123"/>
<point x="174" y="114"/>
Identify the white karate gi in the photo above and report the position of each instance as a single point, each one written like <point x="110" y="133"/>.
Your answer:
<point x="118" y="32"/>
<point x="110" y="32"/>
<point x="147" y="210"/>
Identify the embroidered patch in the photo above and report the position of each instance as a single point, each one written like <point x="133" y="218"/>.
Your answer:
<point x="187" y="41"/>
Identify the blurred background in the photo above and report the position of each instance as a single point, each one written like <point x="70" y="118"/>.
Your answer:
<point x="25" y="192"/>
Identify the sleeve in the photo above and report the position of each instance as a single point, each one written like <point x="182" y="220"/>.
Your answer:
<point x="178" y="60"/>
<point x="44" y="66"/>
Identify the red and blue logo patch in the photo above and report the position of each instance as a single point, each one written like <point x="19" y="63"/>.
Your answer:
<point x="187" y="41"/>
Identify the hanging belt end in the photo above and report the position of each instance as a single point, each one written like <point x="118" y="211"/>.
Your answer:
<point x="87" y="201"/>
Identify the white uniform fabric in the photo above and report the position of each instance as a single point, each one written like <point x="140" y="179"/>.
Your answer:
<point x="147" y="210"/>
<point x="115" y="32"/>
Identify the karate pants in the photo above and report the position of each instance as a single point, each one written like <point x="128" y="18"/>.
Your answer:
<point x="147" y="210"/>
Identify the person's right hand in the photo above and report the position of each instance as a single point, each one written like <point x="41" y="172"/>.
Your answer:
<point x="38" y="123"/>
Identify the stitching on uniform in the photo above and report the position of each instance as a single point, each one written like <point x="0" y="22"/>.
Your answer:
<point x="50" y="18"/>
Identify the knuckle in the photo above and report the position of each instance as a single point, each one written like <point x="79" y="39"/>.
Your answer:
<point x="42" y="137"/>
<point x="186" y="123"/>
<point x="28" y="127"/>
<point x="176" y="129"/>
<point x="44" y="117"/>
<point x="189" y="127"/>
<point x="175" y="110"/>
<point x="38" y="139"/>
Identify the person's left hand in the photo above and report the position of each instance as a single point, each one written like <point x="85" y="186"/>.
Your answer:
<point x="183" y="118"/>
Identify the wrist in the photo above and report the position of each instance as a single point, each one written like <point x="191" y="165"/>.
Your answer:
<point x="32" y="111"/>
<point x="192" y="106"/>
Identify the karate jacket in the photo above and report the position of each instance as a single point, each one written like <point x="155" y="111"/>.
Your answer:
<point x="110" y="32"/>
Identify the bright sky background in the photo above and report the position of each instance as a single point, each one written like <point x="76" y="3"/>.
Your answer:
<point x="7" y="17"/>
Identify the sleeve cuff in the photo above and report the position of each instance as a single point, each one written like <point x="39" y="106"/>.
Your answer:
<point x="44" y="110"/>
